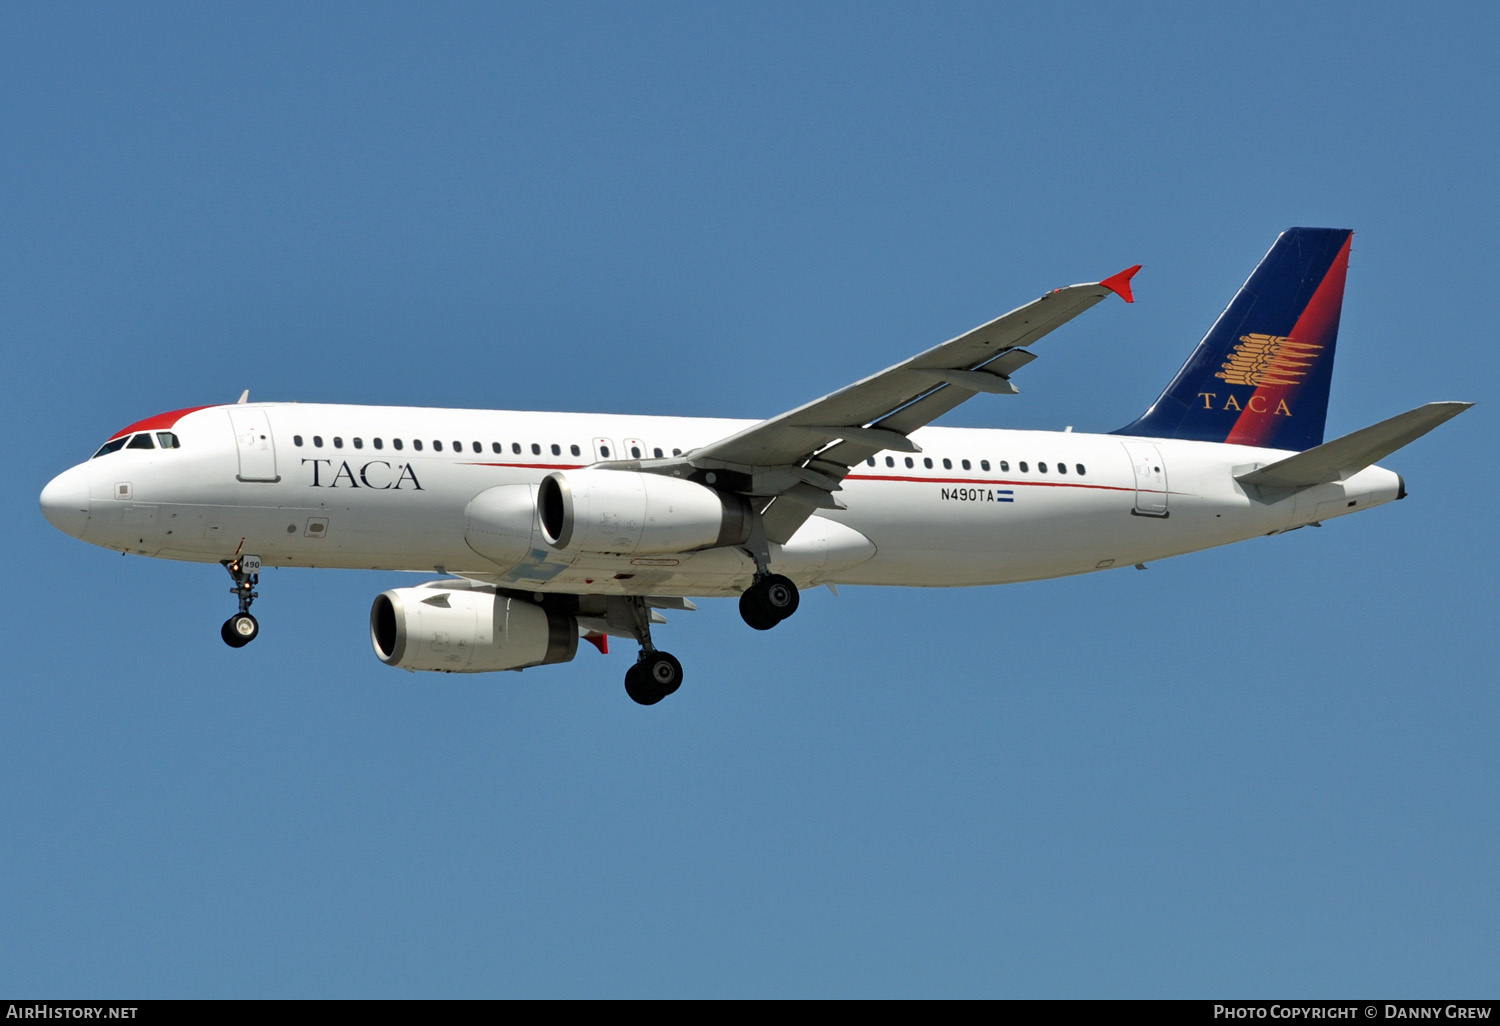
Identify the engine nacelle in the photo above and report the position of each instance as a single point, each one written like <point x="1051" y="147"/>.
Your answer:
<point x="467" y="630"/>
<point x="500" y="523"/>
<point x="627" y="512"/>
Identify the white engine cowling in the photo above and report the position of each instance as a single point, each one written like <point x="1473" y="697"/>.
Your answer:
<point x="626" y="512"/>
<point x="500" y="523"/>
<point x="467" y="630"/>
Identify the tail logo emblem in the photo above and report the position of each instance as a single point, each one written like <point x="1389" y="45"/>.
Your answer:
<point x="1268" y="360"/>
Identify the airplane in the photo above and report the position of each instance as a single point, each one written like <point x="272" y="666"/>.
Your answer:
<point x="551" y="528"/>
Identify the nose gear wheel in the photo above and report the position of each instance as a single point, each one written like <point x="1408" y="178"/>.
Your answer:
<point x="242" y="628"/>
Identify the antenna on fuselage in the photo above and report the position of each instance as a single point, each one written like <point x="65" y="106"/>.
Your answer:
<point x="243" y="399"/>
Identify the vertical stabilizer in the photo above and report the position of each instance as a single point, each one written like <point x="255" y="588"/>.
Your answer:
<point x="1261" y="374"/>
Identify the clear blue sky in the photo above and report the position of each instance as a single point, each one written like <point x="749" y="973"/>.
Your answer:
<point x="1266" y="770"/>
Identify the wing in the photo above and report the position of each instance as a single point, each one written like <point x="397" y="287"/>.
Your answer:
<point x="794" y="462"/>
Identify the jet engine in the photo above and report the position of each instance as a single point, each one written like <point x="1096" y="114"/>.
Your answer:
<point x="622" y="511"/>
<point x="451" y="628"/>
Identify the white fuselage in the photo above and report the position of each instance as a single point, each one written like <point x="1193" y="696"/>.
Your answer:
<point x="390" y="488"/>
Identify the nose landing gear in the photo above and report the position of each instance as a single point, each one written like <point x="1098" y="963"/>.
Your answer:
<point x="242" y="628"/>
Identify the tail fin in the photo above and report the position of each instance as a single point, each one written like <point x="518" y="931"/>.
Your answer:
<point x="1261" y="374"/>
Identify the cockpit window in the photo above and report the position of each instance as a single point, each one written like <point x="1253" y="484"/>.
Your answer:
<point x="139" y="440"/>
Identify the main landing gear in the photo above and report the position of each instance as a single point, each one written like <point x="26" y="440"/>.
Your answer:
<point x="768" y="601"/>
<point x="655" y="674"/>
<point x="241" y="628"/>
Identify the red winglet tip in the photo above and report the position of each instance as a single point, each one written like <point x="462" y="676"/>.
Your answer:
<point x="599" y="641"/>
<point x="1119" y="284"/>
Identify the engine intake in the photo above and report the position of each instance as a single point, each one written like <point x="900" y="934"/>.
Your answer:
<point x="622" y="511"/>
<point x="467" y="630"/>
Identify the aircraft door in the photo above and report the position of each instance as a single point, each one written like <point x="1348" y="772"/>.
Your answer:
<point x="1150" y="479"/>
<point x="257" y="450"/>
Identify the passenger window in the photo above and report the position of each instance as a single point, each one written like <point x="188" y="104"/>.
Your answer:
<point x="1062" y="468"/>
<point x="317" y="441"/>
<point x="676" y="452"/>
<point x="1041" y="468"/>
<point x="496" y="447"/>
<point x="556" y="449"/>
<point x="656" y="453"/>
<point x="871" y="461"/>
<point x="909" y="462"/>
<point x="141" y="441"/>
<point x="437" y="446"/>
<point x="965" y="465"/>
<point x="416" y="443"/>
<point x="890" y="461"/>
<point x="297" y="441"/>
<point x="395" y="443"/>
<point x="927" y="462"/>
<point x="603" y="452"/>
<point x="1079" y="467"/>
<point x="947" y="463"/>
<point x="338" y="442"/>
<point x="1005" y="466"/>
<point x="167" y="440"/>
<point x="379" y="444"/>
<point x="1024" y="469"/>
<point x="575" y="450"/>
<point x="515" y="447"/>
<point x="536" y="450"/>
<point x="359" y="443"/>
<point x="635" y="452"/>
<point x="458" y="447"/>
<point x="985" y="465"/>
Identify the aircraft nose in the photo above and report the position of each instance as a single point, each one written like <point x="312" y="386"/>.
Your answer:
<point x="65" y="501"/>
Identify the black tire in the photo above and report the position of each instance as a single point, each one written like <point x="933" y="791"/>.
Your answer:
<point x="239" y="630"/>
<point x="639" y="689"/>
<point x="753" y="609"/>
<point x="231" y="636"/>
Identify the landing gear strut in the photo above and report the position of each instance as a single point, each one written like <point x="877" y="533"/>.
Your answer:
<point x="655" y="674"/>
<point x="768" y="601"/>
<point x="242" y="628"/>
<point x="771" y="598"/>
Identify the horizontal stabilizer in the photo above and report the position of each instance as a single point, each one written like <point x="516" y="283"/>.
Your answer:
<point x="1344" y="457"/>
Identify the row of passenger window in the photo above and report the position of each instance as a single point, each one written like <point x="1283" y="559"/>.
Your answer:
<point x="636" y="451"/>
<point x="984" y="465"/>
<point x="437" y="445"/>
<point x="142" y="440"/>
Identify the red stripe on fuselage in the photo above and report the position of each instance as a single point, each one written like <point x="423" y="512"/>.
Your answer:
<point x="529" y="466"/>
<point x="987" y="482"/>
